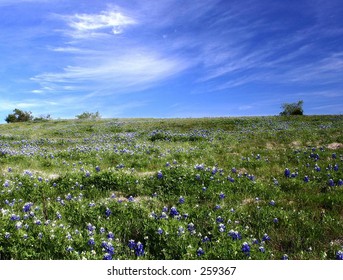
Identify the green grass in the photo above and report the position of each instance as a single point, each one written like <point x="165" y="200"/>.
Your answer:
<point x="228" y="170"/>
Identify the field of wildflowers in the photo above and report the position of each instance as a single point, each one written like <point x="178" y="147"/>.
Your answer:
<point x="211" y="188"/>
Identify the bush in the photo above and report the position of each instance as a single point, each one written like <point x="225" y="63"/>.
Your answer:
<point x="290" y="109"/>
<point x="19" y="116"/>
<point x="88" y="116"/>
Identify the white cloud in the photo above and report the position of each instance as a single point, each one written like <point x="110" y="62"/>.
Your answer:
<point x="84" y="25"/>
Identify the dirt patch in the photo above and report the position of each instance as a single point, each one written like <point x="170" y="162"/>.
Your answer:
<point x="146" y="174"/>
<point x="335" y="146"/>
<point x="296" y="144"/>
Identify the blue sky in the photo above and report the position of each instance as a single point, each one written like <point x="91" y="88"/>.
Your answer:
<point x="170" y="58"/>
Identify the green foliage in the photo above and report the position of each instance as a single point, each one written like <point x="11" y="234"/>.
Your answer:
<point x="290" y="109"/>
<point x="19" y="116"/>
<point x="89" y="116"/>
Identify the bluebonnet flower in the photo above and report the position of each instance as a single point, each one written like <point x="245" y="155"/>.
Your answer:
<point x="27" y="206"/>
<point x="232" y="180"/>
<point x="91" y="204"/>
<point x="132" y="244"/>
<point x="173" y="212"/>
<point x="219" y="219"/>
<point x="110" y="235"/>
<point x="131" y="199"/>
<point x="165" y="209"/>
<point x="217" y="207"/>
<point x="185" y="216"/>
<point x="180" y="231"/>
<point x="221" y="195"/>
<point x="190" y="227"/>
<point x="7" y="235"/>
<point x="91" y="241"/>
<point x="317" y="168"/>
<point x="339" y="255"/>
<point x="306" y="179"/>
<point x="334" y="156"/>
<point x="206" y="239"/>
<point x="254" y="241"/>
<point x="275" y="220"/>
<point x="272" y="203"/>
<point x="38" y="222"/>
<point x="197" y="176"/>
<point x="340" y="182"/>
<point x="200" y="252"/>
<point x="160" y="231"/>
<point x="154" y="194"/>
<point x="246" y="248"/>
<point x="108" y="212"/>
<point x="159" y="175"/>
<point x="335" y="168"/>
<point x="221" y="227"/>
<point x="107" y="256"/>
<point x="235" y="235"/>
<point x="9" y="169"/>
<point x="261" y="249"/>
<point x="102" y="230"/>
<point x="88" y="174"/>
<point x="97" y="168"/>
<point x="265" y="237"/>
<point x="40" y="235"/>
<point x="14" y="217"/>
<point x="285" y="257"/>
<point x="181" y="200"/>
<point x="204" y="189"/>
<point x="18" y="225"/>
<point x="163" y="215"/>
<point x="69" y="249"/>
<point x="69" y="197"/>
<point x="90" y="227"/>
<point x="331" y="183"/>
<point x="139" y="250"/>
<point x="6" y="184"/>
<point x="58" y="215"/>
<point x="287" y="172"/>
<point x="113" y="196"/>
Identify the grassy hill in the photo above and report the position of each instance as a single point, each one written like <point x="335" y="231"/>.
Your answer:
<point x="209" y="188"/>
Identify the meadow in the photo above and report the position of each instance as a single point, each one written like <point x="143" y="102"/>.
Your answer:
<point x="265" y="188"/>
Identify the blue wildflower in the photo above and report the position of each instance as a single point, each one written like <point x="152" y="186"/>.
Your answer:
<point x="190" y="227"/>
<point x="206" y="239"/>
<point x="7" y="235"/>
<point x="27" y="206"/>
<point x="235" y="235"/>
<point x="221" y="227"/>
<point x="160" y="231"/>
<point x="221" y="195"/>
<point x="58" y="215"/>
<point x="219" y="219"/>
<point x="284" y="257"/>
<point x="287" y="172"/>
<point x="139" y="250"/>
<point x="339" y="255"/>
<point x="97" y="168"/>
<point x="340" y="182"/>
<point x="261" y="249"/>
<point x="331" y="183"/>
<point x="132" y="244"/>
<point x="306" y="179"/>
<point x="110" y="235"/>
<point x="181" y="200"/>
<point x="246" y="248"/>
<point x="265" y="237"/>
<point x="217" y="207"/>
<point x="108" y="212"/>
<point x="159" y="175"/>
<point x="131" y="199"/>
<point x="275" y="220"/>
<point x="91" y="241"/>
<point x="70" y="249"/>
<point x="107" y="256"/>
<point x="173" y="212"/>
<point x="200" y="252"/>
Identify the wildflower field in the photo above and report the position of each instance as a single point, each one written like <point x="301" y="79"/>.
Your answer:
<point x="210" y="188"/>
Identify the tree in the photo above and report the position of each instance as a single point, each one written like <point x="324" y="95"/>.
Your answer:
<point x="19" y="116"/>
<point x="290" y="109"/>
<point x="88" y="116"/>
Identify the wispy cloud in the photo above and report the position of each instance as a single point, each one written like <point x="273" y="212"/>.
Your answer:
<point x="83" y="25"/>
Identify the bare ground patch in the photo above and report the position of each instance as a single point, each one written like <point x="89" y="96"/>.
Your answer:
<point x="335" y="146"/>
